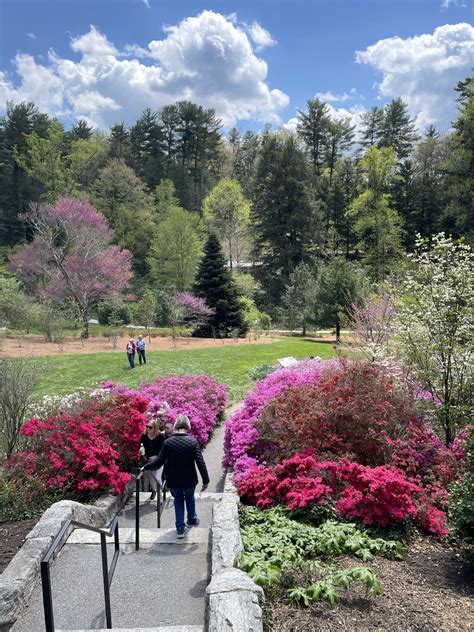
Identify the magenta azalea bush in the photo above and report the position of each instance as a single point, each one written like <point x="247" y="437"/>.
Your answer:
<point x="200" y="397"/>
<point x="240" y="432"/>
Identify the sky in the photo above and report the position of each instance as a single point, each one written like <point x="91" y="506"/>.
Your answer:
<point x="255" y="62"/>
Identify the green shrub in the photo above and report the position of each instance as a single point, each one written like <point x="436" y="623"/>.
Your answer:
<point x="260" y="371"/>
<point x="114" y="314"/>
<point x="461" y="508"/>
<point x="22" y="498"/>
<point x="281" y="553"/>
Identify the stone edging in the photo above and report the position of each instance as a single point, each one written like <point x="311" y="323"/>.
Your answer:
<point x="21" y="576"/>
<point x="233" y="598"/>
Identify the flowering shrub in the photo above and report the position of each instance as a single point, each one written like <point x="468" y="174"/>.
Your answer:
<point x="90" y="443"/>
<point x="240" y="431"/>
<point x="199" y="397"/>
<point x="354" y="410"/>
<point x="85" y="452"/>
<point x="375" y="495"/>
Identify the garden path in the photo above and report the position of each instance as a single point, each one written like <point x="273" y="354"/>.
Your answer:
<point x="160" y="588"/>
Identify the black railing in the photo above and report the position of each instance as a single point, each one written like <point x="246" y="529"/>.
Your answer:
<point x="107" y="573"/>
<point x="160" y="505"/>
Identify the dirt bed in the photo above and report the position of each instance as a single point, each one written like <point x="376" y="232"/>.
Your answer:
<point x="432" y="591"/>
<point x="35" y="346"/>
<point x="12" y="536"/>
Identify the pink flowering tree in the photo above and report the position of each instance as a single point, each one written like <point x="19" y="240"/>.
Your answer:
<point x="373" y="325"/>
<point x="188" y="309"/>
<point x="71" y="256"/>
<point x="193" y="309"/>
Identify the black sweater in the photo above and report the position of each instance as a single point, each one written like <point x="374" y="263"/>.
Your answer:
<point x="152" y="446"/>
<point x="181" y="453"/>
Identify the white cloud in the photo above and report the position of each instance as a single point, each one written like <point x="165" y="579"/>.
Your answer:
<point x="31" y="36"/>
<point x="260" y="36"/>
<point x="424" y="70"/>
<point x="207" y="59"/>
<point x="455" y="3"/>
<point x="327" y="97"/>
<point x="147" y="3"/>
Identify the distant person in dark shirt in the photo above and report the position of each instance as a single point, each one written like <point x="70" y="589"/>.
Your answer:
<point x="141" y="346"/>
<point x="152" y="441"/>
<point x="180" y="454"/>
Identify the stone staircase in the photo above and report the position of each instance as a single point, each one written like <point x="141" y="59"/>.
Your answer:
<point x="161" y="587"/>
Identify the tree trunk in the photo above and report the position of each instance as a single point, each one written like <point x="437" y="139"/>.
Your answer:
<point x="85" y="323"/>
<point x="304" y="329"/>
<point x="338" y="331"/>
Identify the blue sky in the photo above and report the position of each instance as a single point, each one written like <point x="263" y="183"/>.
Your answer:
<point x="254" y="61"/>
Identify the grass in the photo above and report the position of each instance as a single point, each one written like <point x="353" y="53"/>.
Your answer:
<point x="66" y="373"/>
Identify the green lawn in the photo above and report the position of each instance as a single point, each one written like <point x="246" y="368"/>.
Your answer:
<point x="66" y="373"/>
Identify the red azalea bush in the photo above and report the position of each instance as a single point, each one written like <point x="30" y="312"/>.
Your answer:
<point x="85" y="452"/>
<point x="375" y="495"/>
<point x="354" y="411"/>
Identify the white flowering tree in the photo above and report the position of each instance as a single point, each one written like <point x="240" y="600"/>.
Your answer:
<point x="435" y="319"/>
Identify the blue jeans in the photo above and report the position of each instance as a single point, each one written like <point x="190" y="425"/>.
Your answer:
<point x="141" y="356"/>
<point x="131" y="359"/>
<point x="182" y="496"/>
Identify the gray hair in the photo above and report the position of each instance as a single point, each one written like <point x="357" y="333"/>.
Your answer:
<point x="182" y="423"/>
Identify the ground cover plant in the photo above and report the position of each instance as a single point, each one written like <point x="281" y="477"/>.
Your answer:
<point x="300" y="559"/>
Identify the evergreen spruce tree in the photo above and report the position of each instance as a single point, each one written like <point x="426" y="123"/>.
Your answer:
<point x="214" y="283"/>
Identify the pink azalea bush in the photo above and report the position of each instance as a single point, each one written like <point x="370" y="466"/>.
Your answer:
<point x="199" y="397"/>
<point x="240" y="431"/>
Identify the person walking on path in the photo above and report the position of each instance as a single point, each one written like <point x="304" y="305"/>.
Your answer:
<point x="131" y="348"/>
<point x="152" y="441"/>
<point x="181" y="453"/>
<point x="141" y="346"/>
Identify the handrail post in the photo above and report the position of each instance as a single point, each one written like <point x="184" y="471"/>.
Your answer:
<point x="47" y="597"/>
<point x="105" y="575"/>
<point x="137" y="513"/>
<point x="158" y="505"/>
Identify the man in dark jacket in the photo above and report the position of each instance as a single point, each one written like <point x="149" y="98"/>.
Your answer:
<point x="181" y="453"/>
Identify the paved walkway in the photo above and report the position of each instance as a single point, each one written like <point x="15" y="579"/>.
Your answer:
<point x="159" y="588"/>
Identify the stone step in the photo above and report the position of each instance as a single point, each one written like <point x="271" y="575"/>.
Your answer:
<point x="163" y="628"/>
<point x="145" y="496"/>
<point x="148" y="537"/>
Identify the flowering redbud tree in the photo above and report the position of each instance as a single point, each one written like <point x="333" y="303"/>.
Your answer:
<point x="435" y="324"/>
<point x="71" y="256"/>
<point x="373" y="326"/>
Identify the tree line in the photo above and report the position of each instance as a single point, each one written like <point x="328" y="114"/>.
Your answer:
<point x="305" y="218"/>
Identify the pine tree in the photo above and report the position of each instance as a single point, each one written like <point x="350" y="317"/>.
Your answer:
<point x="217" y="287"/>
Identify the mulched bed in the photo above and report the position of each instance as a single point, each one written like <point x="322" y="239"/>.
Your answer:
<point x="430" y="591"/>
<point x="12" y="536"/>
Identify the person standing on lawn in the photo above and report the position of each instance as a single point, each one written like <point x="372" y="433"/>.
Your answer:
<point x="131" y="349"/>
<point x="141" y="345"/>
<point x="180" y="454"/>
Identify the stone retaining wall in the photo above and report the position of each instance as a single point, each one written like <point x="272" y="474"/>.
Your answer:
<point x="233" y="598"/>
<point x="21" y="576"/>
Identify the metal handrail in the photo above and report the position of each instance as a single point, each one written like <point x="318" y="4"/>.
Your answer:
<point x="107" y="573"/>
<point x="159" y="507"/>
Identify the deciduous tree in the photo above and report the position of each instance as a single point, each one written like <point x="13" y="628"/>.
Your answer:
<point x="71" y="256"/>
